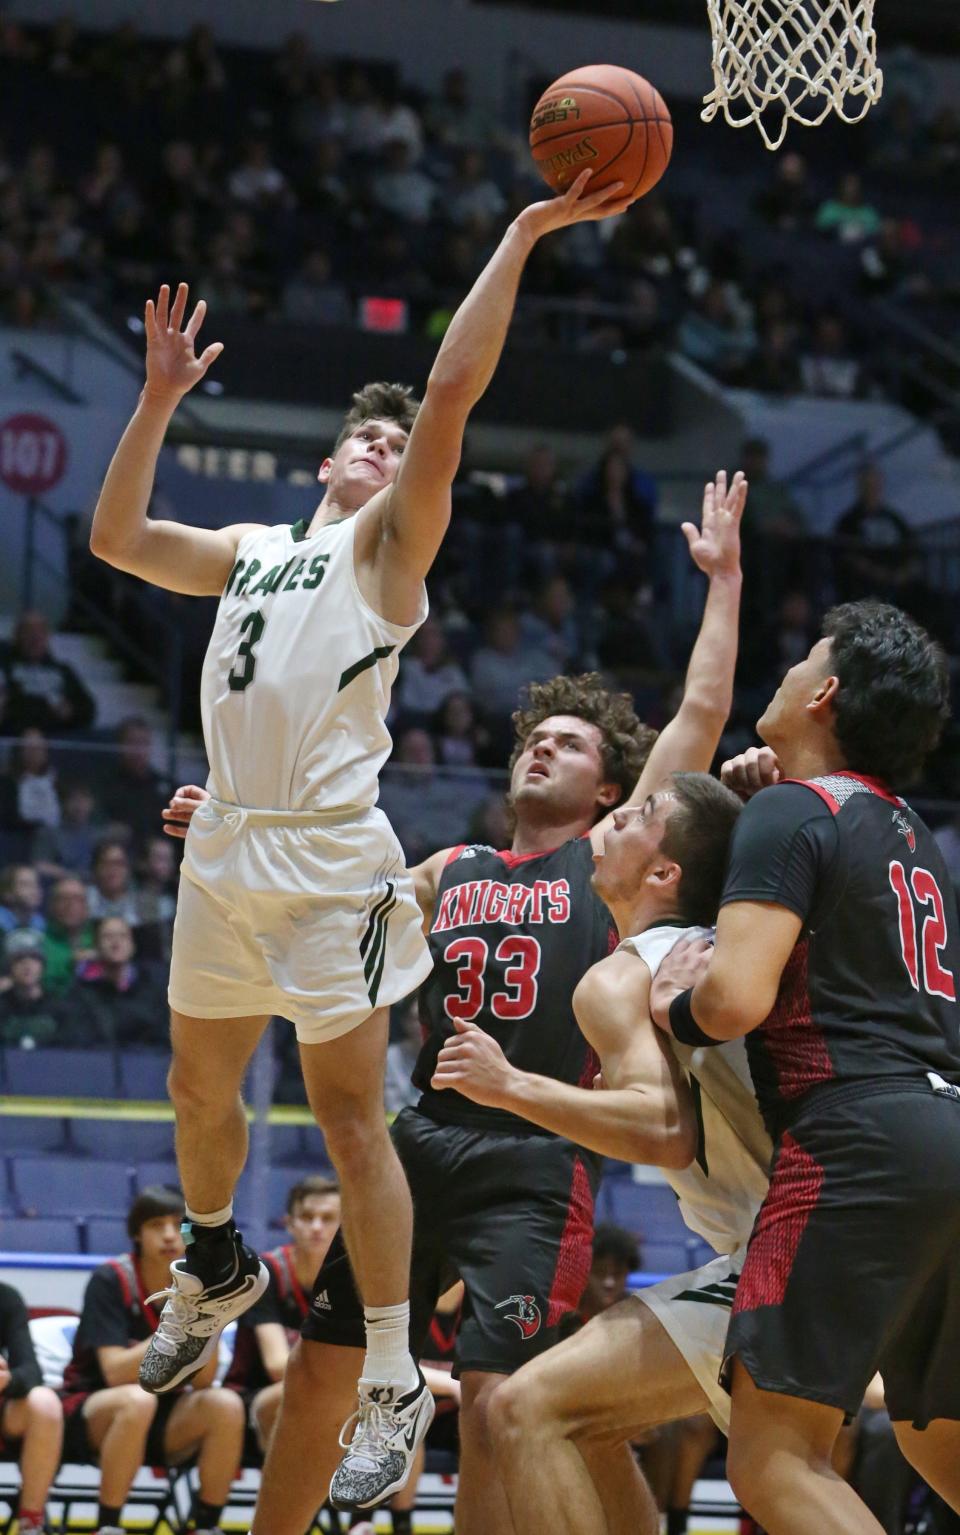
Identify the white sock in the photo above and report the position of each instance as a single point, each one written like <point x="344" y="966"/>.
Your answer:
<point x="211" y="1217"/>
<point x="388" y="1358"/>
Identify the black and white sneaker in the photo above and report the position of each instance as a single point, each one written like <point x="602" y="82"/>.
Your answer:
<point x="195" y="1315"/>
<point x="387" y="1428"/>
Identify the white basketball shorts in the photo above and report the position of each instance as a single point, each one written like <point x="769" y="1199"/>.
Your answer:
<point x="694" y="1309"/>
<point x="309" y="917"/>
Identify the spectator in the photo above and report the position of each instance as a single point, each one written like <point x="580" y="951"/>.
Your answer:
<point x="133" y="792"/>
<point x="453" y="118"/>
<point x="775" y="366"/>
<point x="257" y="182"/>
<point x="406" y="1039"/>
<point x="716" y="333"/>
<point x="70" y="938"/>
<point x="426" y="810"/>
<point x="399" y="123"/>
<point x="429" y="673"/>
<point x="628" y="645"/>
<point x="21" y="898"/>
<point x="362" y="115"/>
<point x="318" y="116"/>
<point x="69" y="847"/>
<point x="539" y="504"/>
<point x="267" y="1331"/>
<point x="552" y="630"/>
<point x="616" y="511"/>
<point x="108" y="1415"/>
<point x="616" y="1254"/>
<point x="44" y="693"/>
<point x="503" y="666"/>
<point x="312" y="297"/>
<point x="156" y="899"/>
<point x="112" y="893"/>
<point x="489" y="824"/>
<point x="34" y="784"/>
<point x="772" y="545"/>
<point x="31" y="1417"/>
<point x="848" y="217"/>
<point x="877" y="553"/>
<point x="830" y="368"/>
<point x="474" y="193"/>
<point x="458" y="736"/>
<point x="119" y="1001"/>
<point x="29" y="1014"/>
<point x="400" y="189"/>
<point x="776" y="642"/>
<point x="789" y="201"/>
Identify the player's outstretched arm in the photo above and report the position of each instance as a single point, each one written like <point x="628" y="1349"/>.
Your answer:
<point x="690" y="740"/>
<point x="646" y="1113"/>
<point x="195" y="561"/>
<point x="415" y="512"/>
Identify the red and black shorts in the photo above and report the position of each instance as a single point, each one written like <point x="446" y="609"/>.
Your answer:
<point x="853" y="1265"/>
<point x="509" y="1214"/>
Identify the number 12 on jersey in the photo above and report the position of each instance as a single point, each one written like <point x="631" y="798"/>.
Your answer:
<point x="521" y="956"/>
<point x="922" y="960"/>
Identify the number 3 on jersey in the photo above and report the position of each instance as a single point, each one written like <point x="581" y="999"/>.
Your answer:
<point x="521" y="956"/>
<point x="251" y="633"/>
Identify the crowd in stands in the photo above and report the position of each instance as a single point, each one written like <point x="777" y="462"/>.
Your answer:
<point x="290" y="186"/>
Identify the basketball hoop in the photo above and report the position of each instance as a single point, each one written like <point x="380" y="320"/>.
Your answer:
<point x="774" y="60"/>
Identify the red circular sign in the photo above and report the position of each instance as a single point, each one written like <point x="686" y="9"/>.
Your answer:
<point x="33" y="454"/>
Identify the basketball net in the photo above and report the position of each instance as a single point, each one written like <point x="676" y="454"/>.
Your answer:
<point x="774" y="60"/>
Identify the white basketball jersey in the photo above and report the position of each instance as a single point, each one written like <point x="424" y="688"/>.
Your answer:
<point x="297" y="676"/>
<point x="722" y="1189"/>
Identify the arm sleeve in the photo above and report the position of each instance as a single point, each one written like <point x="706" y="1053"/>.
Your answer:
<point x="104" y="1322"/>
<point x="784" y="841"/>
<point x="17" y="1345"/>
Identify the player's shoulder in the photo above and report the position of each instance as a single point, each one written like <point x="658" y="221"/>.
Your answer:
<point x="786" y="804"/>
<point x="654" y="944"/>
<point x="611" y="982"/>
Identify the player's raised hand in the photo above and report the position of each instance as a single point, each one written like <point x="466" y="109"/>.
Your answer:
<point x="178" y="813"/>
<point x="753" y="770"/>
<point x="472" y="1062"/>
<point x="574" y="207"/>
<point x="681" y="969"/>
<point x="715" y="545"/>
<point x="173" y="367"/>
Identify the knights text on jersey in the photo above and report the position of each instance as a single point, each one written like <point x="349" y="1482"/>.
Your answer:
<point x="870" y="988"/>
<point x="512" y="936"/>
<point x="297" y="676"/>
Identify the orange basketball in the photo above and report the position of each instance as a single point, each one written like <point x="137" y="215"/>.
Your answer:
<point x="607" y="118"/>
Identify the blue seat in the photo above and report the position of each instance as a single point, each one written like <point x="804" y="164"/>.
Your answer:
<point x="41" y="1235"/>
<point x="143" y="1074"/>
<point x="61" y="1073"/>
<point x="287" y="1145"/>
<point x="69" y="1185"/>
<point x="19" y="1133"/>
<point x="122" y="1138"/>
<point x="666" y="1257"/>
<point x="106" y="1236"/>
<point x="162" y="1171"/>
<point x="649" y="1210"/>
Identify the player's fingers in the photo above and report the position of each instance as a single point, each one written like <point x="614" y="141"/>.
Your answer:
<point x="163" y="305"/>
<point x="210" y="354"/>
<point x="150" y="318"/>
<point x="465" y="1025"/>
<point x="574" y="190"/>
<point x="179" y="306"/>
<point x="754" y="771"/>
<point x="691" y="533"/>
<point x="196" y="320"/>
<point x="175" y="829"/>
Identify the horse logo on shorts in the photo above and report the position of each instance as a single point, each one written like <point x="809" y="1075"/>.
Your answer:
<point x="526" y="1313"/>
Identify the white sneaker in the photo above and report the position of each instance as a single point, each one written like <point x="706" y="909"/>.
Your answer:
<point x="388" y="1428"/>
<point x="195" y="1315"/>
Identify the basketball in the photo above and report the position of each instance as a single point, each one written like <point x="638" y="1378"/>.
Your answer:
<point x="605" y="118"/>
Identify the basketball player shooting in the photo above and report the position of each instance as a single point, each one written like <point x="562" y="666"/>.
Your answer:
<point x="293" y="896"/>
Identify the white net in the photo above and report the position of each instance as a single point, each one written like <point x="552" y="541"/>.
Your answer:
<point x="774" y="60"/>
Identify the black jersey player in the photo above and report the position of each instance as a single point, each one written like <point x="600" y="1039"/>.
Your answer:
<point x="837" y="955"/>
<point x="503" y="1206"/>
